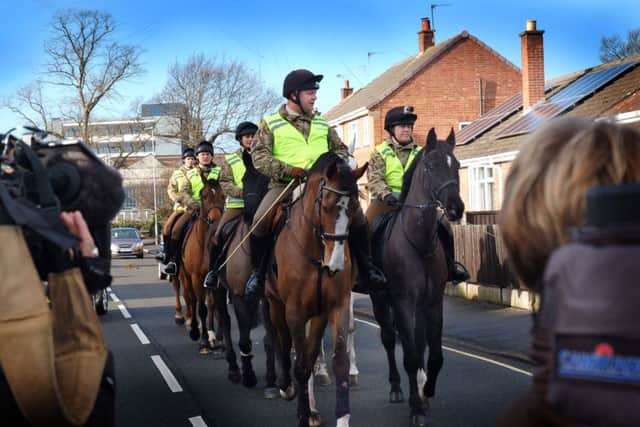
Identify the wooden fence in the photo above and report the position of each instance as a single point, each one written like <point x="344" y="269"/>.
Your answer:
<point x="481" y="250"/>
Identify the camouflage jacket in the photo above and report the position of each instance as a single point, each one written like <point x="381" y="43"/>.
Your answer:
<point x="176" y="183"/>
<point x="262" y="152"/>
<point x="187" y="199"/>
<point x="378" y="187"/>
<point x="226" y="180"/>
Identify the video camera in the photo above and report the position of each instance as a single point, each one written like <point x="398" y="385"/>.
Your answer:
<point x="47" y="176"/>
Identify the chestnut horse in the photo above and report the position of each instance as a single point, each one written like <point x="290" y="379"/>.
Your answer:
<point x="195" y="262"/>
<point x="311" y="282"/>
<point x="416" y="270"/>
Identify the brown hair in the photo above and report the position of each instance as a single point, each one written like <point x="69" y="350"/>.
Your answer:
<point x="546" y="187"/>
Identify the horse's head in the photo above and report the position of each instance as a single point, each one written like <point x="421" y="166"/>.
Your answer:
<point x="212" y="198"/>
<point x="333" y="187"/>
<point x="441" y="171"/>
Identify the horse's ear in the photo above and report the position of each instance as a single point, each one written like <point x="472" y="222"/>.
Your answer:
<point x="432" y="140"/>
<point x="451" y="139"/>
<point x="358" y="172"/>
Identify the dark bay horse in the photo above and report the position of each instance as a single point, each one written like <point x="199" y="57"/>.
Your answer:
<point x="195" y="263"/>
<point x="415" y="266"/>
<point x="311" y="283"/>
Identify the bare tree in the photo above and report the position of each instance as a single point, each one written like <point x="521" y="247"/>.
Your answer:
<point x="84" y="56"/>
<point x="613" y="47"/>
<point x="29" y="103"/>
<point x="217" y="95"/>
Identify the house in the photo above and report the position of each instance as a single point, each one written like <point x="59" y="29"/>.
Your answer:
<point x="450" y="84"/>
<point x="487" y="146"/>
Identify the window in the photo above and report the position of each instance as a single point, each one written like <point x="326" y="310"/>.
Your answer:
<point x="481" y="186"/>
<point x="353" y="136"/>
<point x="129" y="199"/>
<point x="366" y="140"/>
<point x="462" y="125"/>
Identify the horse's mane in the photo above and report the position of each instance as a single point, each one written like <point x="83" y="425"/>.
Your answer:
<point x="408" y="175"/>
<point x="345" y="177"/>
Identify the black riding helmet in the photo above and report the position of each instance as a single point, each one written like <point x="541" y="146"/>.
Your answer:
<point x="204" y="146"/>
<point x="188" y="152"/>
<point x="402" y="115"/>
<point x="299" y="80"/>
<point x="245" y="128"/>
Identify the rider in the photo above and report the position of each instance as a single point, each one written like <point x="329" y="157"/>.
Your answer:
<point x="389" y="161"/>
<point x="231" y="173"/>
<point x="174" y="189"/>
<point x="191" y="197"/>
<point x="287" y="143"/>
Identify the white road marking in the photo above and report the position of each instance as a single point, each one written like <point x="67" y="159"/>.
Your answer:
<point x="464" y="353"/>
<point x="168" y="376"/>
<point x="197" y="422"/>
<point x="124" y="311"/>
<point x="114" y="297"/>
<point x="141" y="336"/>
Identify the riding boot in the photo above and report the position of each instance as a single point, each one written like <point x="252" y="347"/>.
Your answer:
<point x="260" y="249"/>
<point x="370" y="277"/>
<point x="211" y="280"/>
<point x="456" y="272"/>
<point x="171" y="250"/>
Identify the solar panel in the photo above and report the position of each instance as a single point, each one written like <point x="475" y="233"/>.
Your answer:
<point x="564" y="99"/>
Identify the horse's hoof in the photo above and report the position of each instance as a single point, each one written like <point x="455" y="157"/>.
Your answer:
<point x="290" y="393"/>
<point x="234" y="376"/>
<point x="396" y="397"/>
<point x="194" y="334"/>
<point x="249" y="380"/>
<point x="322" y="380"/>
<point x="271" y="393"/>
<point x="179" y="320"/>
<point x="419" y="421"/>
<point x="354" y="379"/>
<point x="314" y="420"/>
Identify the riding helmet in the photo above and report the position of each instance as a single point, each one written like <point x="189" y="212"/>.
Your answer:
<point x="204" y="146"/>
<point x="245" y="128"/>
<point x="299" y="80"/>
<point x="402" y="115"/>
<point x="188" y="152"/>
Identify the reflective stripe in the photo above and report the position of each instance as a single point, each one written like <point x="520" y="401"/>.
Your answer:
<point x="238" y="169"/>
<point x="393" y="169"/>
<point x="196" y="181"/>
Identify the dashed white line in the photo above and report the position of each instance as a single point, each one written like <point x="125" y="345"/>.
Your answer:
<point x="124" y="311"/>
<point x="168" y="376"/>
<point x="197" y="422"/>
<point x="464" y="353"/>
<point x="141" y="336"/>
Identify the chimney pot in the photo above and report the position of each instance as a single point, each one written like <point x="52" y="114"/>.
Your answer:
<point x="531" y="25"/>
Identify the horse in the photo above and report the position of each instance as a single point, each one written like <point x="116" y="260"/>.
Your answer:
<point x="233" y="278"/>
<point x="195" y="262"/>
<point x="310" y="283"/>
<point x="415" y="266"/>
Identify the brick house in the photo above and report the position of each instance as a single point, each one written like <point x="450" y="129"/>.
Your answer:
<point x="449" y="84"/>
<point x="487" y="146"/>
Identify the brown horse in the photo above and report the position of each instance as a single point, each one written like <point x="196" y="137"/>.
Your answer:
<point x="311" y="282"/>
<point x="195" y="262"/>
<point x="415" y="266"/>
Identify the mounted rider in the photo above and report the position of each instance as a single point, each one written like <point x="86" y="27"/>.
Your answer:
<point x="286" y="144"/>
<point x="174" y="190"/>
<point x="232" y="171"/>
<point x="190" y="196"/>
<point x="389" y="162"/>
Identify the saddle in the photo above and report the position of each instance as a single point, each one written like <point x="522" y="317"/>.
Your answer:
<point x="228" y="229"/>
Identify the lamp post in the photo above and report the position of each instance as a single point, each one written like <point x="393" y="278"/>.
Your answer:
<point x="155" y="200"/>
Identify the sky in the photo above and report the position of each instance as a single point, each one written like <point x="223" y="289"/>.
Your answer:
<point x="341" y="39"/>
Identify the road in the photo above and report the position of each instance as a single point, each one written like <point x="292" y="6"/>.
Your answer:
<point x="162" y="380"/>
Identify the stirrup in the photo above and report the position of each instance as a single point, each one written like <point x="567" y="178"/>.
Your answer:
<point x="171" y="268"/>
<point x="459" y="273"/>
<point x="211" y="280"/>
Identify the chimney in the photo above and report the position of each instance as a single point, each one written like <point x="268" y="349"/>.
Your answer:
<point x="425" y="36"/>
<point x="346" y="90"/>
<point x="532" y="65"/>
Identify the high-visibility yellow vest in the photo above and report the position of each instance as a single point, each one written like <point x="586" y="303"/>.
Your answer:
<point x="238" y="169"/>
<point x="393" y="169"/>
<point x="289" y="146"/>
<point x="196" y="181"/>
<point x="179" y="176"/>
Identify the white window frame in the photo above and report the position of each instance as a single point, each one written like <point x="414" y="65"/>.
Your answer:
<point x="482" y="190"/>
<point x="366" y="138"/>
<point x="462" y="125"/>
<point x="353" y="136"/>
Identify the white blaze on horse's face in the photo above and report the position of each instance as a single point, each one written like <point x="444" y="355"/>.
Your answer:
<point x="336" y="262"/>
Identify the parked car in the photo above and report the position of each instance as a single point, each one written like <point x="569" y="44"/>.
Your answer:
<point x="126" y="241"/>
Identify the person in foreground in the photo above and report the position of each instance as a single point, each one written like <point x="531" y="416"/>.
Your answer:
<point x="570" y="221"/>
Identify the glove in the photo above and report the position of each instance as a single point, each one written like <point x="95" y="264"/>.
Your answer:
<point x="298" y="173"/>
<point x="390" y="200"/>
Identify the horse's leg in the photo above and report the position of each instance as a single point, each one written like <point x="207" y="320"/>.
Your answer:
<point x="421" y="346"/>
<point x="245" y="309"/>
<point x="211" y="313"/>
<point x="224" y="325"/>
<point x="354" y="373"/>
<point x="202" y="315"/>
<point x="320" y="370"/>
<point x="178" y="317"/>
<point x="434" y="338"/>
<point x="307" y="337"/>
<point x="283" y="348"/>
<point x="384" y="316"/>
<point x="270" y="390"/>
<point x="340" y="325"/>
<point x="404" y="312"/>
